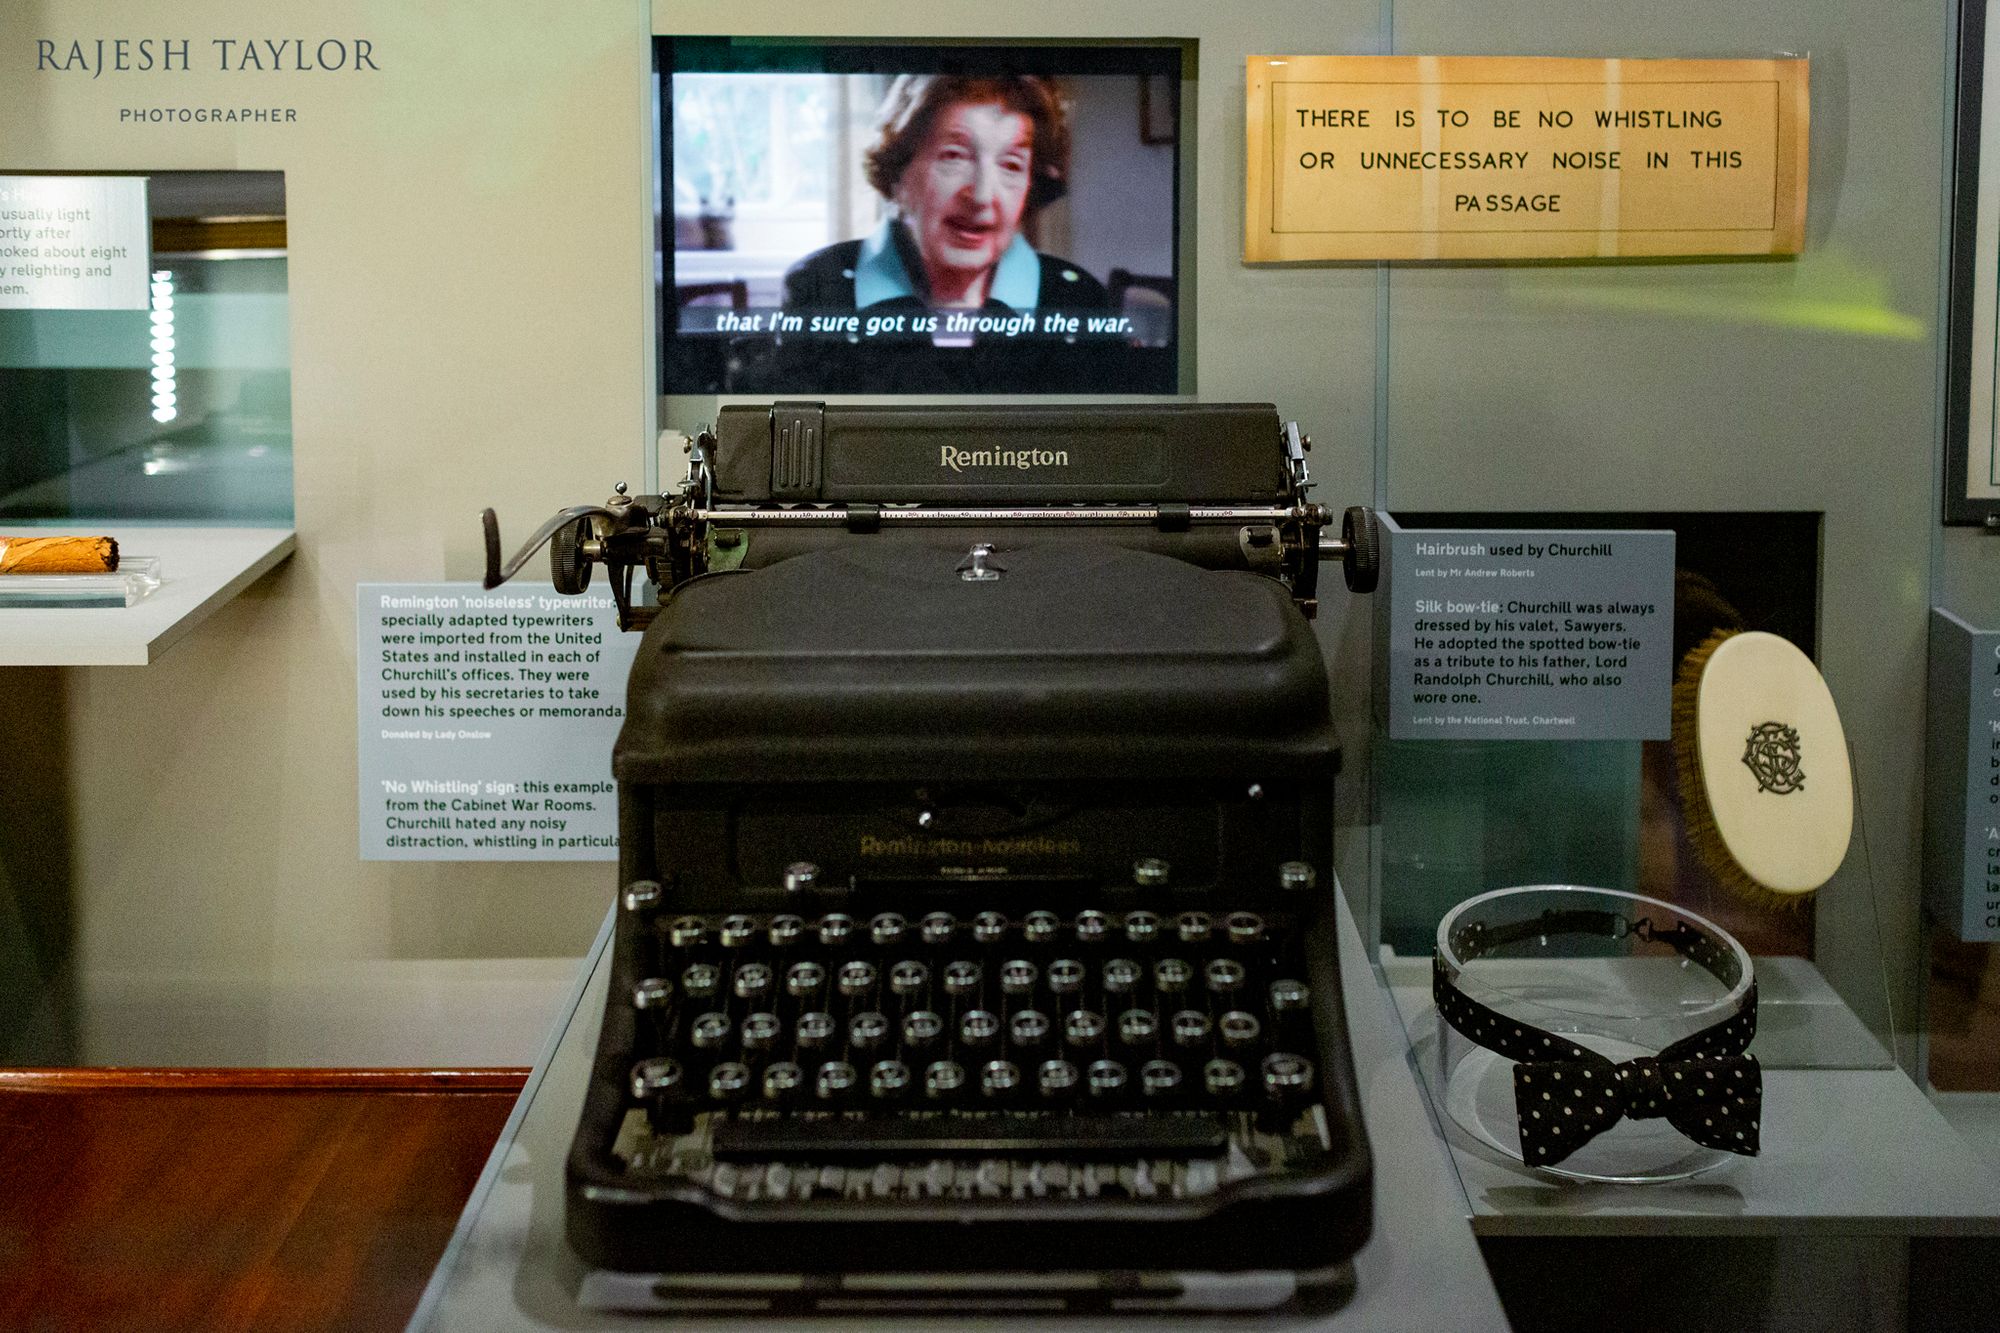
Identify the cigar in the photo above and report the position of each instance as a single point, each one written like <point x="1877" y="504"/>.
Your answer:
<point x="58" y="555"/>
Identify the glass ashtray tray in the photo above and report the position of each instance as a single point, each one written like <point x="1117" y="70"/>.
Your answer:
<point x="1621" y="996"/>
<point x="135" y="579"/>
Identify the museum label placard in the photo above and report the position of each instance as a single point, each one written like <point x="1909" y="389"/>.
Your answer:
<point x="74" y="243"/>
<point x="1503" y="157"/>
<point x="1526" y="635"/>
<point x="1962" y="779"/>
<point x="487" y="720"/>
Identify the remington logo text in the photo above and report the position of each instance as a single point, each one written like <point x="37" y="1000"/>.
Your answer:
<point x="958" y="460"/>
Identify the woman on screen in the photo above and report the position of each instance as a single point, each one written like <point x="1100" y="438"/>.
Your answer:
<point x="965" y="160"/>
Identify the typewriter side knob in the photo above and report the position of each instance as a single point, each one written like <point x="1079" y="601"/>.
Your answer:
<point x="569" y="567"/>
<point x="1361" y="566"/>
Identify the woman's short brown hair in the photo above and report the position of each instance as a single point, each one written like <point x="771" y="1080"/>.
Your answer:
<point x="915" y="101"/>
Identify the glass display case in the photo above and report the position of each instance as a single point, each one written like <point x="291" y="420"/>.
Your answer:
<point x="177" y="413"/>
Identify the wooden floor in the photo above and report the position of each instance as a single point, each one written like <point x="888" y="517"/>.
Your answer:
<point x="234" y="1199"/>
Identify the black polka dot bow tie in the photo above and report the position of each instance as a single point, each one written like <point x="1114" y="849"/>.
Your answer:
<point x="1705" y="1085"/>
<point x="1564" y="1104"/>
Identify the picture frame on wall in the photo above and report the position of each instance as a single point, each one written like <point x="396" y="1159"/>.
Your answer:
<point x="1972" y="402"/>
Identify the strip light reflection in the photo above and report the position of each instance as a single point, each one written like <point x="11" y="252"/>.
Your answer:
<point x="164" y="395"/>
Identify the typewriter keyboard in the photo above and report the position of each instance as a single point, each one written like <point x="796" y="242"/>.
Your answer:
<point x="995" y="1055"/>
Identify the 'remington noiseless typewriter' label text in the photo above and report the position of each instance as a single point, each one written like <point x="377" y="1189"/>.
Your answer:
<point x="931" y="848"/>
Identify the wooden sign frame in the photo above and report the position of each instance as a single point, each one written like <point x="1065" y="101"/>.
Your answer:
<point x="1504" y="157"/>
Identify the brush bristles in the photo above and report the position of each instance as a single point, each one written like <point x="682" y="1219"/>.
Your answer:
<point x="1696" y="816"/>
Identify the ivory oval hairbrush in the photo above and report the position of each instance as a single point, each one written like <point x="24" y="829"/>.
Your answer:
<point x="58" y="555"/>
<point x="1766" y="790"/>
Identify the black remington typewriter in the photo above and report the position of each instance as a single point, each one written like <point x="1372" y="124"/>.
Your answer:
<point x="975" y="946"/>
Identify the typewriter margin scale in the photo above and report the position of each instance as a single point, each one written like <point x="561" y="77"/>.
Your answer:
<point x="770" y="483"/>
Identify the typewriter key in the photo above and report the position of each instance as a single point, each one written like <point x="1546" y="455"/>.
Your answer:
<point x="978" y="1027"/>
<point x="1092" y="926"/>
<point x="889" y="1079"/>
<point x="1081" y="1027"/>
<point x="652" y="993"/>
<point x="1066" y="976"/>
<point x="866" y="1031"/>
<point x="1028" y="1028"/>
<point x="782" y="1080"/>
<point x="753" y="981"/>
<point x="709" y="1031"/>
<point x="1172" y="975"/>
<point x="1057" y="1078"/>
<point x="989" y="927"/>
<point x="1041" y="927"/>
<point x="1287" y="1075"/>
<point x="1142" y="927"/>
<point x="1245" y="927"/>
<point x="760" y="1030"/>
<point x="804" y="979"/>
<point x="738" y="931"/>
<point x="1225" y="976"/>
<point x="727" y="1081"/>
<point x="815" y="1029"/>
<point x="787" y="930"/>
<point x="836" y="1079"/>
<point x="1150" y="871"/>
<point x="642" y="895"/>
<point x="652" y="1078"/>
<point x="1018" y="977"/>
<point x="835" y="928"/>
<point x="943" y="1079"/>
<point x="998" y="1078"/>
<point x="908" y="977"/>
<point x="1190" y="1027"/>
<point x="1120" y="976"/>
<point x="857" y="977"/>
<point x="1159" y="1077"/>
<point x="1238" y="1028"/>
<point x="1288" y="996"/>
<point x="938" y="927"/>
<point x="921" y="1028"/>
<point x="886" y="928"/>
<point x="1297" y="876"/>
<point x="1137" y="1027"/>
<point x="1223" y="1077"/>
<point x="685" y="933"/>
<point x="800" y="876"/>
<point x="961" y="978"/>
<point x="1107" y="1078"/>
<point x="701" y="980"/>
<point x="1193" y="927"/>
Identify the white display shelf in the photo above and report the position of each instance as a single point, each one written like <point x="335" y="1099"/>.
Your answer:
<point x="1851" y="1146"/>
<point x="200" y="570"/>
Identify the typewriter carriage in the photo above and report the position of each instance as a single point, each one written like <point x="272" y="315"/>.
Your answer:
<point x="724" y="505"/>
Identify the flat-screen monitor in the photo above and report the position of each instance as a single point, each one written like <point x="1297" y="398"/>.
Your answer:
<point x="918" y="219"/>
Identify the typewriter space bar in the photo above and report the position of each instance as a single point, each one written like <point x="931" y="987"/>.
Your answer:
<point x="984" y="1136"/>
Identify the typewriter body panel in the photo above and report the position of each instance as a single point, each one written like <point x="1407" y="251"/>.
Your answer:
<point x="975" y="869"/>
